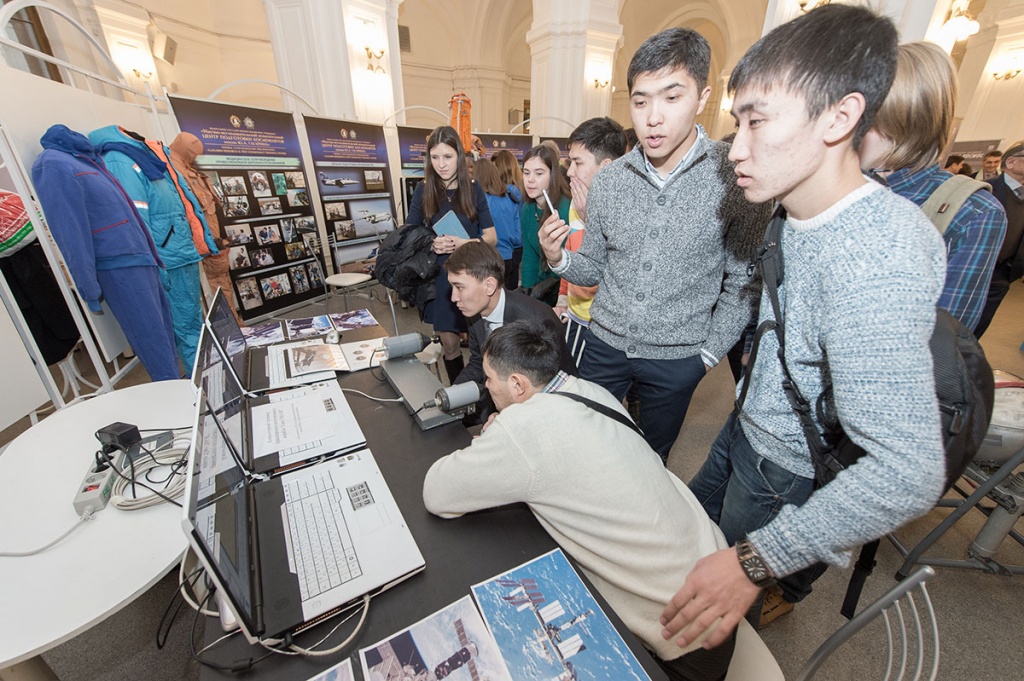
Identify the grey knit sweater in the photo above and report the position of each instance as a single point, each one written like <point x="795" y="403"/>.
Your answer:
<point x="859" y="291"/>
<point x="671" y="263"/>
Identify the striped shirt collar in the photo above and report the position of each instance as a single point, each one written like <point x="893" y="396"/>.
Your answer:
<point x="683" y="162"/>
<point x="555" y="383"/>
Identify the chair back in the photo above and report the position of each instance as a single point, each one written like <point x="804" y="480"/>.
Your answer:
<point x="911" y="632"/>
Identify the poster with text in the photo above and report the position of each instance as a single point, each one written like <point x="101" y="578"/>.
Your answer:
<point x="254" y="162"/>
<point x="353" y="176"/>
<point x="412" y="149"/>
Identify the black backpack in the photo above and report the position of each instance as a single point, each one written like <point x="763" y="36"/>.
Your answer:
<point x="964" y="385"/>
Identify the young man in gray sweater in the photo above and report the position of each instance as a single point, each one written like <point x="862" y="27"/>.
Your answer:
<point x="669" y="238"/>
<point x="863" y="269"/>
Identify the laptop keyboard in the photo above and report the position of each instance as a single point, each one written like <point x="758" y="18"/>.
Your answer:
<point x="324" y="555"/>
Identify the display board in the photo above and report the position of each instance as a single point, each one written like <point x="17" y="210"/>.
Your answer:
<point x="255" y="164"/>
<point x="973" y="152"/>
<point x="517" y="144"/>
<point x="353" y="176"/>
<point x="412" y="149"/>
<point x="563" y="145"/>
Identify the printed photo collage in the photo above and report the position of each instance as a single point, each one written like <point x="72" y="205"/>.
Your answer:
<point x="251" y="201"/>
<point x="353" y="201"/>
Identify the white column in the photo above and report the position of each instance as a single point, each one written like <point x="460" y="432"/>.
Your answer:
<point x="320" y="47"/>
<point x="572" y="43"/>
<point x="918" y="19"/>
<point x="724" y="122"/>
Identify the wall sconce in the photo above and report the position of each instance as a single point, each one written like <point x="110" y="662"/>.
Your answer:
<point x="1007" y="74"/>
<point x="373" y="58"/>
<point x="600" y="84"/>
<point x="144" y="75"/>
<point x="808" y="5"/>
<point x="960" y="25"/>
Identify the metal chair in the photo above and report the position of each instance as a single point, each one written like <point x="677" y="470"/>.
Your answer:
<point x="991" y="478"/>
<point x="348" y="282"/>
<point x="908" y="620"/>
<point x="911" y="633"/>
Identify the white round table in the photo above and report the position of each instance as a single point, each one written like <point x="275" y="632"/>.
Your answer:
<point x="49" y="598"/>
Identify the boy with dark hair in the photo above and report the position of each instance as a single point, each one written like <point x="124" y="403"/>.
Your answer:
<point x="668" y="241"/>
<point x="476" y="272"/>
<point x="593" y="483"/>
<point x="592" y="145"/>
<point x="863" y="269"/>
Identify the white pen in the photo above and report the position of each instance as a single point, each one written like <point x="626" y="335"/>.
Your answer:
<point x="548" y="199"/>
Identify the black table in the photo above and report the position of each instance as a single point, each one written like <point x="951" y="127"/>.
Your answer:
<point x="458" y="553"/>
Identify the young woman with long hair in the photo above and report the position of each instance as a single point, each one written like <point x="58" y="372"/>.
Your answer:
<point x="541" y="171"/>
<point x="447" y="187"/>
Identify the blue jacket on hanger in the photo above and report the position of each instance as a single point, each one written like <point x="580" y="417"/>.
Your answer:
<point x="106" y="245"/>
<point x="93" y="232"/>
<point x="145" y="178"/>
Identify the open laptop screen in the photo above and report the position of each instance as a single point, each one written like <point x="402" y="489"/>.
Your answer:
<point x="225" y="398"/>
<point x="228" y="334"/>
<point x="219" y="512"/>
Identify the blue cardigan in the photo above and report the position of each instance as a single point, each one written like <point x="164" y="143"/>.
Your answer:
<point x="92" y="219"/>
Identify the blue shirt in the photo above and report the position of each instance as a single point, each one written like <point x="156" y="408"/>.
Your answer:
<point x="972" y="241"/>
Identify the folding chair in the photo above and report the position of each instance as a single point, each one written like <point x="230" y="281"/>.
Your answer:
<point x="911" y="634"/>
<point x="907" y="620"/>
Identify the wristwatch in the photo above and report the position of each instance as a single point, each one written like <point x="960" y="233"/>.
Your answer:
<point x="753" y="564"/>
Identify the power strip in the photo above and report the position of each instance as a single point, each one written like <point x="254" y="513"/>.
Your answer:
<point x="94" y="492"/>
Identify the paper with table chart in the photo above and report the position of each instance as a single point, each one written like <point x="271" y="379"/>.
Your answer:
<point x="288" y="424"/>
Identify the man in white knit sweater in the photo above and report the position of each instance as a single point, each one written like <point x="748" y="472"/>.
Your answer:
<point x="592" y="481"/>
<point x="863" y="269"/>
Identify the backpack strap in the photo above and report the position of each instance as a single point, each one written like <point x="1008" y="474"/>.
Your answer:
<point x="769" y="261"/>
<point x="950" y="196"/>
<point x="607" y="411"/>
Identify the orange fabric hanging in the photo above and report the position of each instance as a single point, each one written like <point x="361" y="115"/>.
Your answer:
<point x="459" y="107"/>
<point x="195" y="224"/>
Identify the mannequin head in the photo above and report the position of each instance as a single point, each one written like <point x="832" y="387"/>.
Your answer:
<point x="187" y="146"/>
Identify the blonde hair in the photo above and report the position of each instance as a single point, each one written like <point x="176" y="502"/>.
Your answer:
<point x="917" y="114"/>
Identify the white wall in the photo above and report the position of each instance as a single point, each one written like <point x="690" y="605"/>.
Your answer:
<point x="991" y="108"/>
<point x="218" y="42"/>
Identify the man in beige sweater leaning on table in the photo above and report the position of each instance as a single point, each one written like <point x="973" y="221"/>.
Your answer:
<point x="591" y="480"/>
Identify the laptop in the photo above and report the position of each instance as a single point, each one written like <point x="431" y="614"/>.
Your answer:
<point x="280" y="431"/>
<point x="259" y="368"/>
<point x="292" y="551"/>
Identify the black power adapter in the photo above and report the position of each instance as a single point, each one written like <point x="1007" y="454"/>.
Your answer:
<point x="118" y="436"/>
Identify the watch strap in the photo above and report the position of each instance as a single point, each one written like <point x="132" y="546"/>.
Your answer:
<point x="753" y="564"/>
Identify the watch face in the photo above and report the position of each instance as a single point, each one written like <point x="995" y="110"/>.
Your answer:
<point x="756" y="570"/>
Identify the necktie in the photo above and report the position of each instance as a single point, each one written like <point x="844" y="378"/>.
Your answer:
<point x="1019" y="193"/>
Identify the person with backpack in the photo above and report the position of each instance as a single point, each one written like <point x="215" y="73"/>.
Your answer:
<point x="861" y="270"/>
<point x="904" y="157"/>
<point x="911" y="130"/>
